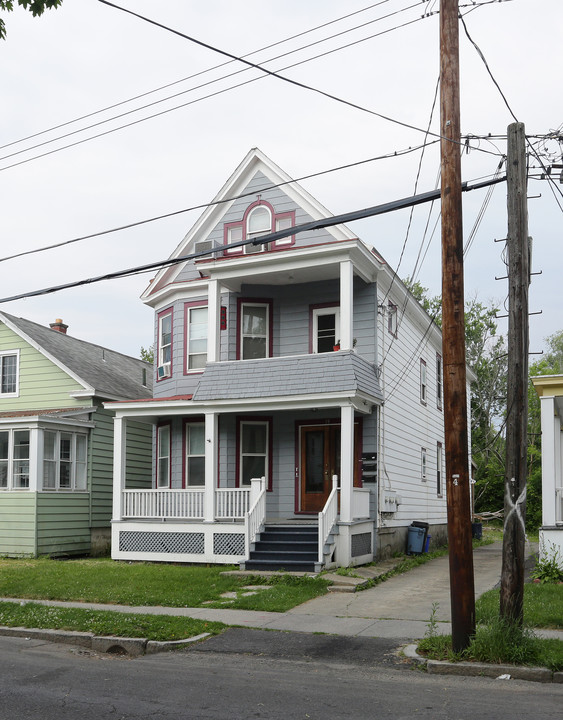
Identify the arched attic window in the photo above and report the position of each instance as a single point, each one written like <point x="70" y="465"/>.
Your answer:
<point x="258" y="222"/>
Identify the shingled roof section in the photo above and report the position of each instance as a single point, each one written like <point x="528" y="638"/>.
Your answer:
<point x="111" y="374"/>
<point x="338" y="372"/>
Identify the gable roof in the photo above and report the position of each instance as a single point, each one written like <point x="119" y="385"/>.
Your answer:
<point x="255" y="162"/>
<point x="102" y="372"/>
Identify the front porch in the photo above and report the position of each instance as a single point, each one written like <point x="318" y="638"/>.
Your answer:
<point x="170" y="526"/>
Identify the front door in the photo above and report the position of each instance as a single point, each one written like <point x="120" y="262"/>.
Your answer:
<point x="319" y="461"/>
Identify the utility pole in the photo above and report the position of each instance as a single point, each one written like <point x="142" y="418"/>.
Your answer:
<point x="462" y="589"/>
<point x="512" y="577"/>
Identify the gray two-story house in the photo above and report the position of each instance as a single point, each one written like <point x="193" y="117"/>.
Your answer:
<point x="297" y="411"/>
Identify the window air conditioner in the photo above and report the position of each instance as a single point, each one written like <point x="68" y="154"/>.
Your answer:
<point x="163" y="371"/>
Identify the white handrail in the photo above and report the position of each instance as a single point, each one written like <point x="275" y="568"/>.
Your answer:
<point x="327" y="517"/>
<point x="254" y="518"/>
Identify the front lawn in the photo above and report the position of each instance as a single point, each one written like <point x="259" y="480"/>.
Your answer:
<point x="109" y="582"/>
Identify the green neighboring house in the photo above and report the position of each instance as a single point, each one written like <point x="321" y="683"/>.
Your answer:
<point x="56" y="438"/>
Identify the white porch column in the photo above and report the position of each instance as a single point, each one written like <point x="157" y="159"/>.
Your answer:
<point x="550" y="427"/>
<point x="211" y="438"/>
<point x="346" y="462"/>
<point x="119" y="455"/>
<point x="346" y="304"/>
<point x="35" y="459"/>
<point x="213" y="321"/>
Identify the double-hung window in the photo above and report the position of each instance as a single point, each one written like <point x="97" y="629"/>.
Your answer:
<point x="64" y="461"/>
<point x="423" y="382"/>
<point x="423" y="464"/>
<point x="258" y="222"/>
<point x="195" y="454"/>
<point x="254" y="325"/>
<point x="163" y="456"/>
<point x="9" y="373"/>
<point x="439" y="469"/>
<point x="196" y="337"/>
<point x="392" y="320"/>
<point x="164" y="345"/>
<point x="326" y="329"/>
<point x="14" y="459"/>
<point x="254" y="450"/>
<point x="439" y="391"/>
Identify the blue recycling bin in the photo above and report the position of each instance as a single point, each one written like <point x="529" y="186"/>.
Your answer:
<point x="415" y="540"/>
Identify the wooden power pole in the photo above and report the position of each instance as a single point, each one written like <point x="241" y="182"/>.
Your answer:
<point x="512" y="577"/>
<point x="462" y="589"/>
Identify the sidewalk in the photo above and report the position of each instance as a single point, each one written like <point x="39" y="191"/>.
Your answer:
<point x="398" y="608"/>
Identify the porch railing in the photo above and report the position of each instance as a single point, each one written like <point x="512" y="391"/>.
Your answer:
<point x="164" y="503"/>
<point x="327" y="517"/>
<point x="230" y="503"/>
<point x="360" y="503"/>
<point x="256" y="515"/>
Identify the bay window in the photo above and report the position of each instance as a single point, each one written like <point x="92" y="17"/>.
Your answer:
<point x="64" y="461"/>
<point x="14" y="459"/>
<point x="196" y="337"/>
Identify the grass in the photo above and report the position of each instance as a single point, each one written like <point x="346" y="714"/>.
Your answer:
<point x="543" y="606"/>
<point x="106" y="581"/>
<point x="104" y="622"/>
<point x="498" y="643"/>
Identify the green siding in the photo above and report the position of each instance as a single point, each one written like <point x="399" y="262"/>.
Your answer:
<point x="17" y="523"/>
<point x="63" y="523"/>
<point x="42" y="384"/>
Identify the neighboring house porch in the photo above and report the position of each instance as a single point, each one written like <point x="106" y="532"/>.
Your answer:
<point x="550" y="391"/>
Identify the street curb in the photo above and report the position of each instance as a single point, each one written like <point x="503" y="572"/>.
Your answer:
<point x="474" y="669"/>
<point x="132" y="647"/>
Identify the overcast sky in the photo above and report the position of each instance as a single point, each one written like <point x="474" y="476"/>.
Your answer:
<point x="87" y="56"/>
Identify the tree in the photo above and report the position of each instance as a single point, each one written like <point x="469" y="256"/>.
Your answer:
<point x="36" y="7"/>
<point x="147" y="354"/>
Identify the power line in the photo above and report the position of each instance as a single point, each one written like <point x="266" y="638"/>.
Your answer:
<point x="197" y="87"/>
<point x="271" y="72"/>
<point x="203" y="72"/>
<point x="262" y="240"/>
<point x="203" y="206"/>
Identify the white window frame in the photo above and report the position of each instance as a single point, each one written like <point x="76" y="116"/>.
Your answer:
<point x="5" y="354"/>
<point x="265" y="454"/>
<point x="423" y="382"/>
<point x="78" y="467"/>
<point x="423" y="464"/>
<point x="199" y="353"/>
<point x="166" y="315"/>
<point x="163" y="452"/>
<point x="282" y="222"/>
<point x="439" y="466"/>
<point x="318" y="312"/>
<point x="439" y="382"/>
<point x="392" y="319"/>
<point x="10" y="462"/>
<point x="250" y="235"/>
<point x="243" y="305"/>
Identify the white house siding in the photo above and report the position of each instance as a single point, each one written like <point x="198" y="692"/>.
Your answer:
<point x="408" y="425"/>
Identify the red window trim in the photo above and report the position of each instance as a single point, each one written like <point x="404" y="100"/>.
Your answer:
<point x="187" y="306"/>
<point x="312" y="308"/>
<point x="256" y="301"/>
<point x="255" y="418"/>
<point x="160" y="315"/>
<point x="271" y="247"/>
<point x="158" y="428"/>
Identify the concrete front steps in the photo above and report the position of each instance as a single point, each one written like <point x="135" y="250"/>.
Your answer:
<point x="294" y="548"/>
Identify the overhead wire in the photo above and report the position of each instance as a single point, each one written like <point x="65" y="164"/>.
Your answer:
<point x="203" y="206"/>
<point x="204" y="85"/>
<point x="204" y="97"/>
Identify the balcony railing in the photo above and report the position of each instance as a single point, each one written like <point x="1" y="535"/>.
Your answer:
<point x="230" y="503"/>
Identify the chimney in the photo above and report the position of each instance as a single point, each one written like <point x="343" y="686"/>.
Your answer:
<point x="59" y="326"/>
